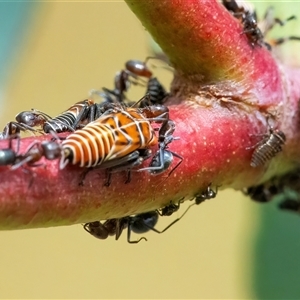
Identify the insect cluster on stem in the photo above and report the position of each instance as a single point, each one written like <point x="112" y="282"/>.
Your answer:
<point x="144" y="222"/>
<point x="255" y="30"/>
<point x="283" y="189"/>
<point x="110" y="135"/>
<point x="119" y="135"/>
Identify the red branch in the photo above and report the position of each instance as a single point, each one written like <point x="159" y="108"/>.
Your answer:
<point x="222" y="92"/>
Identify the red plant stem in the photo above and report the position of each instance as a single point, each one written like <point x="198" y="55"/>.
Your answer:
<point x="205" y="42"/>
<point x="224" y="88"/>
<point x="46" y="196"/>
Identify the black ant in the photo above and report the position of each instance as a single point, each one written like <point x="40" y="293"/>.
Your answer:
<point x="139" y="223"/>
<point x="248" y="18"/>
<point x="134" y="73"/>
<point x="8" y="156"/>
<point x="134" y="69"/>
<point x="163" y="158"/>
<point x="156" y="91"/>
<point x="262" y="193"/>
<point x="209" y="193"/>
<point x="49" y="149"/>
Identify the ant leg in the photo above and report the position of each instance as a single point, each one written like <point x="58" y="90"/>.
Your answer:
<point x="128" y="177"/>
<point x="129" y="235"/>
<point x="259" y="143"/>
<point x="26" y="159"/>
<point x="93" y="110"/>
<point x="11" y="138"/>
<point x="270" y="21"/>
<point x="280" y="41"/>
<point x="149" y="58"/>
<point x="156" y="168"/>
<point x="15" y="128"/>
<point x="83" y="176"/>
<point x="21" y="163"/>
<point x="161" y="166"/>
<point x="55" y="137"/>
<point x="158" y="58"/>
<point x="80" y="117"/>
<point x="267" y="45"/>
<point x="178" y="164"/>
<point x="176" y="220"/>
<point x="282" y="23"/>
<point x="27" y="171"/>
<point x="171" y="224"/>
<point x="146" y="98"/>
<point x="120" y="225"/>
<point x="165" y="132"/>
<point x="108" y="178"/>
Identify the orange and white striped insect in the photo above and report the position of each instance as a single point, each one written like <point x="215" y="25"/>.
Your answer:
<point x="75" y="116"/>
<point x="116" y="139"/>
<point x="71" y="118"/>
<point x="66" y="121"/>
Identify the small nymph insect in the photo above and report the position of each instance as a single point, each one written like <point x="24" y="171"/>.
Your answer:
<point x="271" y="144"/>
<point x="14" y="129"/>
<point x="71" y="118"/>
<point x="77" y="115"/>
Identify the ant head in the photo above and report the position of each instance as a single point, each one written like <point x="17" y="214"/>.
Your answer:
<point x="96" y="229"/>
<point x="29" y="118"/>
<point x="52" y="150"/>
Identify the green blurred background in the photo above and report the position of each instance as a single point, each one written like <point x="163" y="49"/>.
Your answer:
<point x="51" y="55"/>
